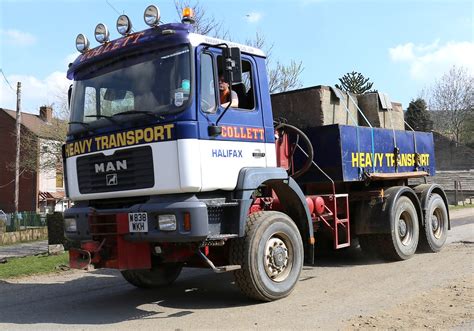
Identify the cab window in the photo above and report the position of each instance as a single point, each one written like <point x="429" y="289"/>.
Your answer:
<point x="244" y="90"/>
<point x="208" y="90"/>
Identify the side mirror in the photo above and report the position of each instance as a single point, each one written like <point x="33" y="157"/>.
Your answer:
<point x="69" y="94"/>
<point x="232" y="65"/>
<point x="214" y="130"/>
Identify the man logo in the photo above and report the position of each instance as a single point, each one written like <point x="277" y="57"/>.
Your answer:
<point x="110" y="166"/>
<point x="111" y="179"/>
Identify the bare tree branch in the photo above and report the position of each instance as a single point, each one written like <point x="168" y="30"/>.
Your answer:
<point x="452" y="98"/>
<point x="204" y="23"/>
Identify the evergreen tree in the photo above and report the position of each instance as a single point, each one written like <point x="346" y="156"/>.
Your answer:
<point x="417" y="116"/>
<point x="354" y="82"/>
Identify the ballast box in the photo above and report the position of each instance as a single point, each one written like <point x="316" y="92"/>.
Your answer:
<point x="349" y="153"/>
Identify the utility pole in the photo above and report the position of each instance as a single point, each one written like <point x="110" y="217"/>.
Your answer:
<point x="17" y="161"/>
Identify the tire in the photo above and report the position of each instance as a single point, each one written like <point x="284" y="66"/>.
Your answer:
<point x="402" y="242"/>
<point x="271" y="256"/>
<point x="158" y="276"/>
<point x="436" y="225"/>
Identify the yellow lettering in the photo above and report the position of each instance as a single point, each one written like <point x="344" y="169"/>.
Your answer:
<point x="105" y="142"/>
<point x="121" y="141"/>
<point x="168" y="128"/>
<point x="97" y="143"/>
<point x="112" y="141"/>
<point x="148" y="133"/>
<point x="130" y="138"/>
<point x="379" y="157"/>
<point x="403" y="160"/>
<point x="89" y="145"/>
<point x="355" y="160"/>
<point x="138" y="136"/>
<point x="368" y="160"/>
<point x="361" y="160"/>
<point x="159" y="131"/>
<point x="77" y="149"/>
<point x="390" y="159"/>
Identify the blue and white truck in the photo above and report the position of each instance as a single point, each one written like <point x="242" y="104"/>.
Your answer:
<point x="163" y="176"/>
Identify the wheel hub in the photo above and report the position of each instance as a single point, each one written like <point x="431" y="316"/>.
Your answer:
<point x="434" y="223"/>
<point x="276" y="258"/>
<point x="402" y="228"/>
<point x="279" y="256"/>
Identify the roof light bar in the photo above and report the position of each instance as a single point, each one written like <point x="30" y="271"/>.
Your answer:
<point x="152" y="15"/>
<point x="101" y="33"/>
<point x="82" y="43"/>
<point x="124" y="25"/>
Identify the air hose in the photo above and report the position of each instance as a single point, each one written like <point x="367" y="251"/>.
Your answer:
<point x="293" y="129"/>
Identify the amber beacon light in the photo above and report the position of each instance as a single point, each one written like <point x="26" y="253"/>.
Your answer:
<point x="188" y="16"/>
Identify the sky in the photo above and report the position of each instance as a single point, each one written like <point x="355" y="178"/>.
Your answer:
<point x="403" y="46"/>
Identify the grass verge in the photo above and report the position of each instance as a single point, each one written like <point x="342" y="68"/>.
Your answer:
<point x="452" y="207"/>
<point x="30" y="265"/>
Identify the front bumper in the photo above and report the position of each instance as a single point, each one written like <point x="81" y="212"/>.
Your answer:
<point x="177" y="205"/>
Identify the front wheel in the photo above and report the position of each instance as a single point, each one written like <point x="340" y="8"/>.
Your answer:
<point x="270" y="254"/>
<point x="436" y="225"/>
<point x="158" y="276"/>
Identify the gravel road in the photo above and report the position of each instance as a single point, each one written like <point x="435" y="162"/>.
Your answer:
<point x="343" y="291"/>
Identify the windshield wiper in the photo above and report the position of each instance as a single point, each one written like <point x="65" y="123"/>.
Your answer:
<point x="104" y="116"/>
<point x="86" y="125"/>
<point x="146" y="112"/>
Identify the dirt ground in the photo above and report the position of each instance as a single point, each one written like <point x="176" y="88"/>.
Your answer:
<point x="446" y="307"/>
<point x="342" y="291"/>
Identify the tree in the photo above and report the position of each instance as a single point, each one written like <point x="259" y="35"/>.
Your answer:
<point x="354" y="82"/>
<point x="42" y="150"/>
<point x="452" y="98"/>
<point x="417" y="116"/>
<point x="281" y="77"/>
<point x="204" y="23"/>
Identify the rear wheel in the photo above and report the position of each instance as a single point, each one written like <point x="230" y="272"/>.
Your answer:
<point x="158" y="276"/>
<point x="436" y="225"/>
<point x="271" y="256"/>
<point x="402" y="242"/>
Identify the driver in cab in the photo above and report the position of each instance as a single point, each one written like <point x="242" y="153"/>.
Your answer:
<point x="226" y="96"/>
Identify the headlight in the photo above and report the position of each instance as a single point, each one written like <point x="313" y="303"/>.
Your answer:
<point x="124" y="25"/>
<point x="101" y="33"/>
<point x="82" y="43"/>
<point x="167" y="222"/>
<point x="151" y="15"/>
<point x="70" y="225"/>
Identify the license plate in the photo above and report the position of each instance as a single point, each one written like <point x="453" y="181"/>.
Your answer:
<point x="138" y="222"/>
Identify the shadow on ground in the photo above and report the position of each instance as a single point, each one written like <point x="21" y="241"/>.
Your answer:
<point x="103" y="297"/>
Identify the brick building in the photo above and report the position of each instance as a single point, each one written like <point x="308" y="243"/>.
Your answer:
<point x="40" y="189"/>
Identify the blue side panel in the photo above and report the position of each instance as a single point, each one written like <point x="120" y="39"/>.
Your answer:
<point x="345" y="153"/>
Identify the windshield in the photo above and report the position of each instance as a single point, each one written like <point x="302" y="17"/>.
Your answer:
<point x="158" y="82"/>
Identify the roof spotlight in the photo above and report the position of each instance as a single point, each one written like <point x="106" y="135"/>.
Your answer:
<point x="124" y="25"/>
<point x="82" y="43"/>
<point x="151" y="15"/>
<point x="101" y="33"/>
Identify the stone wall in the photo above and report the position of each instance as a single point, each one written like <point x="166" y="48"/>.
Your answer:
<point x="30" y="234"/>
<point x="452" y="156"/>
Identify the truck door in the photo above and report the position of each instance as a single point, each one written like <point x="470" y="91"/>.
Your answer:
<point x="242" y="142"/>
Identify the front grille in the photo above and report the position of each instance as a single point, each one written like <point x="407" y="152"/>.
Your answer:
<point x="127" y="169"/>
